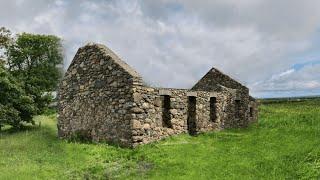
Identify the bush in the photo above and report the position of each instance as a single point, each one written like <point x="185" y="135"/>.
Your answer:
<point x="36" y="60"/>
<point x="16" y="107"/>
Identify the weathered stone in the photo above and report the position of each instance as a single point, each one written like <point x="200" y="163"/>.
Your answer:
<point x="170" y="131"/>
<point x="74" y="71"/>
<point x="137" y="138"/>
<point x="147" y="120"/>
<point x="104" y="99"/>
<point x="137" y="110"/>
<point x="136" y="124"/>
<point x="173" y="111"/>
<point x="137" y="97"/>
<point x="146" y="126"/>
<point x="102" y="62"/>
<point x="145" y="105"/>
<point x="98" y="84"/>
<point x="114" y="84"/>
<point x="64" y="83"/>
<point x="157" y="102"/>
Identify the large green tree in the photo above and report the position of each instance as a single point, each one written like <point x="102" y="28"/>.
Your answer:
<point x="16" y="106"/>
<point x="34" y="59"/>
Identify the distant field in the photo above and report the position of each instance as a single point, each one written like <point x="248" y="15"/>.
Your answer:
<point x="289" y="99"/>
<point x="285" y="144"/>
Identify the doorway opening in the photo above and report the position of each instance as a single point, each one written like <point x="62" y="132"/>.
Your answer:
<point x="166" y="116"/>
<point x="237" y="108"/>
<point x="251" y="112"/>
<point x="213" y="109"/>
<point x="191" y="121"/>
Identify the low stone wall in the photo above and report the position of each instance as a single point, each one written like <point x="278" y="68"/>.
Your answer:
<point x="148" y="109"/>
<point x="239" y="120"/>
<point x="147" y="115"/>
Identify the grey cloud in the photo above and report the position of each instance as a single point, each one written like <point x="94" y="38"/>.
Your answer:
<point x="174" y="43"/>
<point x="292" y="80"/>
<point x="285" y="19"/>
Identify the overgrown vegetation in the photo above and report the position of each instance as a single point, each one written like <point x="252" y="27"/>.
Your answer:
<point x="33" y="59"/>
<point x="285" y="144"/>
<point x="15" y="106"/>
<point x="28" y="73"/>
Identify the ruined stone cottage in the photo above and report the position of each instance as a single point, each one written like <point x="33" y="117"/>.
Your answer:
<point x="102" y="98"/>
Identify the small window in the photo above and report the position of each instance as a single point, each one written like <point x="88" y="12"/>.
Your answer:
<point x="166" y="116"/>
<point x="237" y="108"/>
<point x="213" y="109"/>
<point x="251" y="111"/>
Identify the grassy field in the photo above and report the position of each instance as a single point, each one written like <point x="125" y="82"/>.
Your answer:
<point x="285" y="144"/>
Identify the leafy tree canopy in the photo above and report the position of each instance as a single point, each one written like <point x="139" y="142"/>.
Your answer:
<point x="34" y="59"/>
<point x="15" y="106"/>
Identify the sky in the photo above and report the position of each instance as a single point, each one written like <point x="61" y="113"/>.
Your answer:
<point x="270" y="46"/>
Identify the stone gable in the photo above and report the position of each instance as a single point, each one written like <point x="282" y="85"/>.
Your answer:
<point x="215" y="78"/>
<point x="101" y="98"/>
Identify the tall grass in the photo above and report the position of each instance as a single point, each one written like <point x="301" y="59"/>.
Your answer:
<point x="285" y="144"/>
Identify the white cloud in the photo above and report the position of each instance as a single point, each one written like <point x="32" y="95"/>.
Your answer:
<point x="285" y="73"/>
<point x="292" y="82"/>
<point x="174" y="43"/>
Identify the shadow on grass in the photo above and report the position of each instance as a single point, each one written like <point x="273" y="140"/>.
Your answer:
<point x="77" y="140"/>
<point x="12" y="130"/>
<point x="83" y="136"/>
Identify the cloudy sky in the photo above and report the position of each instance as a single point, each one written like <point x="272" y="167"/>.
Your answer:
<point x="271" y="46"/>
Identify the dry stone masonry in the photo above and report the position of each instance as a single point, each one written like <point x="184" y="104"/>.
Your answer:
<point x="101" y="98"/>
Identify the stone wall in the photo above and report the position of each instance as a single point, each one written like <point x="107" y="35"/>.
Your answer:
<point x="147" y="121"/>
<point x="148" y="109"/>
<point x="95" y="97"/>
<point x="253" y="110"/>
<point x="101" y="98"/>
<point x="214" y="80"/>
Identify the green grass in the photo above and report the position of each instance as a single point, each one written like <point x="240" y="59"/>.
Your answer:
<point x="285" y="144"/>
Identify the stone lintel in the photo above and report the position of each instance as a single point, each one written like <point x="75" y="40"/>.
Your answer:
<point x="213" y="94"/>
<point x="163" y="92"/>
<point x="194" y="94"/>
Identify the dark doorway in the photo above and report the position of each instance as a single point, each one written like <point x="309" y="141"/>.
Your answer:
<point x="251" y="112"/>
<point x="237" y="109"/>
<point x="191" y="121"/>
<point x="213" y="109"/>
<point x="166" y="116"/>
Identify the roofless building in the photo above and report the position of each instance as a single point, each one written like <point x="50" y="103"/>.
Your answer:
<point x="103" y="99"/>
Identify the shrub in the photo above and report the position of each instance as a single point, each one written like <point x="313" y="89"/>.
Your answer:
<point x="16" y="107"/>
<point x="36" y="60"/>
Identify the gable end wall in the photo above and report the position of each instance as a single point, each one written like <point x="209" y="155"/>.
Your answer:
<point x="101" y="98"/>
<point x="95" y="97"/>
